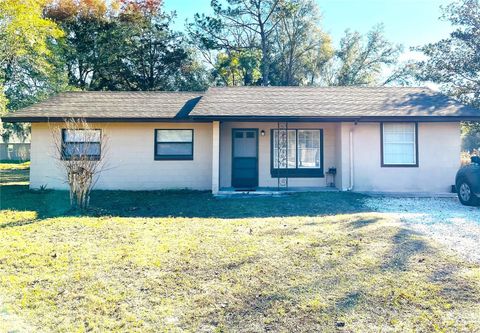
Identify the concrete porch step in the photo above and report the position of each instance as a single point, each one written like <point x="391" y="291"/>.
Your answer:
<point x="272" y="191"/>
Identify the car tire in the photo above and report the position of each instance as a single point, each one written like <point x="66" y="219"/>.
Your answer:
<point x="465" y="194"/>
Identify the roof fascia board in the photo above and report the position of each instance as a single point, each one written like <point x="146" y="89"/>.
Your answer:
<point x="206" y="119"/>
<point x="341" y="119"/>
<point x="101" y="120"/>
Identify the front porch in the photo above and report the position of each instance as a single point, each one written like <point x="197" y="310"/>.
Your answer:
<point x="246" y="157"/>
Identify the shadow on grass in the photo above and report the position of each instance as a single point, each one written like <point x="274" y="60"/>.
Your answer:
<point x="315" y="279"/>
<point x="181" y="203"/>
<point x="349" y="301"/>
<point x="409" y="248"/>
<point x="17" y="223"/>
<point x="361" y="223"/>
<point x="352" y="295"/>
<point x="406" y="244"/>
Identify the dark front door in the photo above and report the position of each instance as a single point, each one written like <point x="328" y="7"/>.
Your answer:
<point x="245" y="158"/>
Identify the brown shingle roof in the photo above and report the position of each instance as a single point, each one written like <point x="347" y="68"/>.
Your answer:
<point x="114" y="105"/>
<point x="329" y="102"/>
<point x="368" y="103"/>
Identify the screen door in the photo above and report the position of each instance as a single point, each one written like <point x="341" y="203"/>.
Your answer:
<point x="245" y="158"/>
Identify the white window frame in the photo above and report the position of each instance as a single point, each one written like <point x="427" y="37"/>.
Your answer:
<point x="414" y="143"/>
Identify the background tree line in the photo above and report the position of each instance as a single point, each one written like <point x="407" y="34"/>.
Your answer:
<point x="50" y="46"/>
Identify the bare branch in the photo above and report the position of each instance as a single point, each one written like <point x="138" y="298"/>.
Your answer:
<point x="80" y="151"/>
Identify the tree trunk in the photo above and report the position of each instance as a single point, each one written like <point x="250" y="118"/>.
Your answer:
<point x="265" y="64"/>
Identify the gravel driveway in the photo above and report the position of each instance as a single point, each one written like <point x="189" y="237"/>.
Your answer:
<point x="442" y="219"/>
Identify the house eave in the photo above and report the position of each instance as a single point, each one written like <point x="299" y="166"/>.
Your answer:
<point x="207" y="119"/>
<point x="100" y="120"/>
<point x="338" y="119"/>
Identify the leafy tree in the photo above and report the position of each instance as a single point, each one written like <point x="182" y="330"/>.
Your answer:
<point x="302" y="49"/>
<point x="87" y="28"/>
<point x="239" y="25"/>
<point x="25" y="33"/>
<point x="250" y="64"/>
<point x="156" y="58"/>
<point x="471" y="136"/>
<point x="454" y="62"/>
<point x="192" y="76"/>
<point x="294" y="49"/>
<point x="237" y="68"/>
<point x="28" y="66"/>
<point x="360" y="60"/>
<point x="125" y="46"/>
<point x="3" y="101"/>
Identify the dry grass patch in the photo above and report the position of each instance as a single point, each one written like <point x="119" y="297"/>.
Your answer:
<point x="351" y="273"/>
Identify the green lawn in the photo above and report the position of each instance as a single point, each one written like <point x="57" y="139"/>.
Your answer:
<point x="184" y="261"/>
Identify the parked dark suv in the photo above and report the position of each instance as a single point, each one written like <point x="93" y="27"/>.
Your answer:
<point x="467" y="183"/>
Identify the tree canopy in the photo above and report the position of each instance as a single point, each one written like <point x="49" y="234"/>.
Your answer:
<point x="454" y="62"/>
<point x="127" y="45"/>
<point x="291" y="46"/>
<point x="55" y="45"/>
<point x="28" y="63"/>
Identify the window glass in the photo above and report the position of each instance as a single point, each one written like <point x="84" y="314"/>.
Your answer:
<point x="303" y="148"/>
<point x="81" y="135"/>
<point x="174" y="144"/>
<point x="78" y="149"/>
<point x="81" y="144"/>
<point x="174" y="149"/>
<point x="284" y="149"/>
<point x="174" y="135"/>
<point x="245" y="144"/>
<point x="399" y="144"/>
<point x="308" y="149"/>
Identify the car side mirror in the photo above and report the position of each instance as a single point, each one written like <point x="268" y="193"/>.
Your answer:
<point x="475" y="159"/>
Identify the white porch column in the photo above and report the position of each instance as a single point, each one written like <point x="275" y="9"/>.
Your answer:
<point x="342" y="160"/>
<point x="346" y="162"/>
<point x="215" y="157"/>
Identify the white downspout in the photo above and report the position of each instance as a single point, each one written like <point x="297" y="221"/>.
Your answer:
<point x="351" y="161"/>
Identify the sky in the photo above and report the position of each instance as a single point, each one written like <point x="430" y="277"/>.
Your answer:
<point x="407" y="22"/>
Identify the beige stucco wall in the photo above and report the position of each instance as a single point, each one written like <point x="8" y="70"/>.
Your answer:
<point x="130" y="158"/>
<point x="439" y="159"/>
<point x="131" y="164"/>
<point x="264" y="177"/>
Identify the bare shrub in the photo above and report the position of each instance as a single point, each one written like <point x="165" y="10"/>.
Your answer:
<point x="80" y="151"/>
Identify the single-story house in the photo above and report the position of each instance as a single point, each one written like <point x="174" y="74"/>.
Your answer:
<point x="382" y="139"/>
